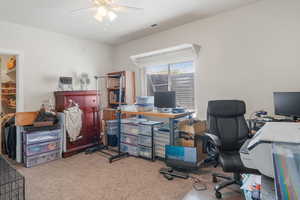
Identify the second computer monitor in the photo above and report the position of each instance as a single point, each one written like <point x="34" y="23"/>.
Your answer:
<point x="165" y="99"/>
<point x="287" y="104"/>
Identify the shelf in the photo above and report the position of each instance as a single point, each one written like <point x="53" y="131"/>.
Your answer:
<point x="115" y="88"/>
<point x="11" y="107"/>
<point x="11" y="71"/>
<point x="116" y="103"/>
<point x="8" y="94"/>
<point x="8" y="88"/>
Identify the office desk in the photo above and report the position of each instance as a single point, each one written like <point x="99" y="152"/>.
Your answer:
<point x="171" y="116"/>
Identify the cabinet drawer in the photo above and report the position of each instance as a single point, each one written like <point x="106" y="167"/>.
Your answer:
<point x="145" y="130"/>
<point x="129" y="139"/>
<point x="145" y="140"/>
<point x="132" y="150"/>
<point x="41" y="136"/>
<point x="91" y="101"/>
<point x="35" y="149"/>
<point x="145" y="152"/>
<point x="41" y="158"/>
<point x="130" y="129"/>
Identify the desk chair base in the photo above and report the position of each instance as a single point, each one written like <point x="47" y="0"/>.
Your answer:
<point x="229" y="181"/>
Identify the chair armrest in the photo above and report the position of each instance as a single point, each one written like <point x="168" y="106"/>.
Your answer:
<point x="215" y="139"/>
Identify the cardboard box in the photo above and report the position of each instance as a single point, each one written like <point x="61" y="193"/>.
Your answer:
<point x="186" y="143"/>
<point x="192" y="127"/>
<point x="197" y="143"/>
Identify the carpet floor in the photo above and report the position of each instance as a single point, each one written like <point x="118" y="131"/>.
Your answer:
<point x="92" y="177"/>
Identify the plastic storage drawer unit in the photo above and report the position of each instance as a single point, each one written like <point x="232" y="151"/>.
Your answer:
<point x="145" y="100"/>
<point x="145" y="130"/>
<point x="42" y="158"/>
<point x="145" y="140"/>
<point x="130" y="129"/>
<point x="41" y="136"/>
<point x="129" y="139"/>
<point x="145" y="152"/>
<point x="34" y="149"/>
<point x="144" y="107"/>
<point x="112" y="130"/>
<point x="160" y="150"/>
<point x="132" y="150"/>
<point x="112" y="123"/>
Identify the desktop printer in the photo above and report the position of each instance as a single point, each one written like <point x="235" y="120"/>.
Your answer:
<point x="256" y="153"/>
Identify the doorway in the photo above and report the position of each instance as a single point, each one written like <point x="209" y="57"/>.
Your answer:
<point x="8" y="105"/>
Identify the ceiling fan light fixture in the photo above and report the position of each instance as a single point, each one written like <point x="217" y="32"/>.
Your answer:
<point x="98" y="17"/>
<point x="111" y="15"/>
<point x="102" y="11"/>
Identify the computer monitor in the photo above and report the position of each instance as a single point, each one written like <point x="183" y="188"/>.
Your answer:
<point x="165" y="99"/>
<point x="287" y="104"/>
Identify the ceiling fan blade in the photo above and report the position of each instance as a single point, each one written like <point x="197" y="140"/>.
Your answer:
<point x="84" y="9"/>
<point x="119" y="7"/>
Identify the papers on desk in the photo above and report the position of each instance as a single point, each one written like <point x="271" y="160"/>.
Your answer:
<point x="287" y="132"/>
<point x="250" y="185"/>
<point x="150" y="123"/>
<point x="249" y="181"/>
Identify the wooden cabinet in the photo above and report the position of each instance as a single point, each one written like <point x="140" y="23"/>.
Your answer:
<point x="90" y="132"/>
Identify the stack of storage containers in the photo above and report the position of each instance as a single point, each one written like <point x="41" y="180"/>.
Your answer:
<point x="144" y="103"/>
<point x="137" y="137"/>
<point x="129" y="136"/>
<point x="112" y="131"/>
<point x="161" y="139"/>
<point x="146" y="139"/>
<point x="41" y="146"/>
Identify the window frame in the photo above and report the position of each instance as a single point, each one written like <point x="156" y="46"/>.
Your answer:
<point x="169" y="65"/>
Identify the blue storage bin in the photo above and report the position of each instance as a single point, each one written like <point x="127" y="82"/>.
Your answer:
<point x="112" y="140"/>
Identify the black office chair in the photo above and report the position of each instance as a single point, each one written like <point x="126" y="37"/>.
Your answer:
<point x="227" y="131"/>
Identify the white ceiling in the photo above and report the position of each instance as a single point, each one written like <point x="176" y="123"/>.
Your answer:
<point x="55" y="15"/>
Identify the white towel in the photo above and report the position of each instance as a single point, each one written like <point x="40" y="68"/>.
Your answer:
<point x="73" y="122"/>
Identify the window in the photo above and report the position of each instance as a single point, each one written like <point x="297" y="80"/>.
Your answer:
<point x="178" y="77"/>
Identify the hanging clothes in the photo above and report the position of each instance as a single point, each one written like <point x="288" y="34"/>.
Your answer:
<point x="73" y="122"/>
<point x="10" y="135"/>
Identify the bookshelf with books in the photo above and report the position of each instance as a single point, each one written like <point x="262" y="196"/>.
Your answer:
<point x="113" y="88"/>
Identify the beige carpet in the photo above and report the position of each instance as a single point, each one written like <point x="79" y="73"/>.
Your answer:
<point x="91" y="177"/>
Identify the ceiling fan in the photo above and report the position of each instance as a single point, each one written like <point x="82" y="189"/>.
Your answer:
<point x="106" y="9"/>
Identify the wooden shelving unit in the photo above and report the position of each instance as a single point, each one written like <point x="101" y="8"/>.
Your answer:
<point x="113" y="87"/>
<point x="8" y="93"/>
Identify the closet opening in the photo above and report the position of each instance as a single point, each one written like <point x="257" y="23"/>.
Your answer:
<point x="8" y="93"/>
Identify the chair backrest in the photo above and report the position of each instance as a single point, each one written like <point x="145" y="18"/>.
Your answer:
<point x="225" y="119"/>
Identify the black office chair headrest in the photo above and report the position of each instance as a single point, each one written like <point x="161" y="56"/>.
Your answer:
<point x="226" y="108"/>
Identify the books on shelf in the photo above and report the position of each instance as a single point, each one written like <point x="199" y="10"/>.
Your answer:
<point x="114" y="97"/>
<point x="114" y="83"/>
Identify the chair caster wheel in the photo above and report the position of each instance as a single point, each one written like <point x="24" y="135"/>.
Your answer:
<point x="214" y="179"/>
<point x="218" y="195"/>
